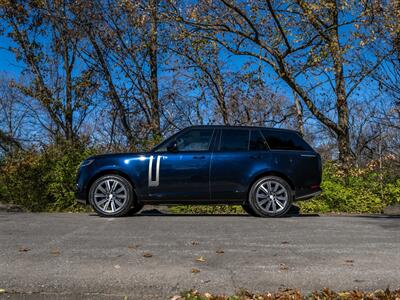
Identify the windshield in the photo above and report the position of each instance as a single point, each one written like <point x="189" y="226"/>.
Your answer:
<point x="163" y="145"/>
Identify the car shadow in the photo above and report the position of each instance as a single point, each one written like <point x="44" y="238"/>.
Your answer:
<point x="158" y="213"/>
<point x="154" y="212"/>
<point x="378" y="216"/>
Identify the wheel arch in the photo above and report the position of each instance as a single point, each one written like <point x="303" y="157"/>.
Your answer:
<point x="110" y="172"/>
<point x="270" y="173"/>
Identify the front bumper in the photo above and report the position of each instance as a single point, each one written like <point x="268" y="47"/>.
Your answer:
<point x="81" y="193"/>
<point x="82" y="201"/>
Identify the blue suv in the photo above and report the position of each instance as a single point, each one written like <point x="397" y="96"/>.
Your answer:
<point x="262" y="169"/>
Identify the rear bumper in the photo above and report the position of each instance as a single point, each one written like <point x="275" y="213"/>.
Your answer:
<point x="310" y="195"/>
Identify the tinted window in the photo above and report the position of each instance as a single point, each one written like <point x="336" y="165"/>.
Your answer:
<point x="285" y="140"/>
<point x="234" y="140"/>
<point x="194" y="140"/>
<point x="257" y="141"/>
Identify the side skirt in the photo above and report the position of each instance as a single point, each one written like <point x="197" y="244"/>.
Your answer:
<point x="193" y="202"/>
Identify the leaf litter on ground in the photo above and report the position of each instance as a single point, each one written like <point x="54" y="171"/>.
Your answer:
<point x="201" y="259"/>
<point x="293" y="294"/>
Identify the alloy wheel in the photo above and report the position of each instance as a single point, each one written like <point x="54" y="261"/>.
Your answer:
<point x="110" y="195"/>
<point x="271" y="196"/>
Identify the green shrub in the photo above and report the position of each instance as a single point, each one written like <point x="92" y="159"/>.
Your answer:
<point x="42" y="180"/>
<point x="362" y="190"/>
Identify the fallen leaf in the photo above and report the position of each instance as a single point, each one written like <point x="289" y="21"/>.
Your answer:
<point x="55" y="252"/>
<point x="194" y="243"/>
<point x="24" y="249"/>
<point x="194" y="270"/>
<point x="200" y="259"/>
<point x="220" y="251"/>
<point x="349" y="261"/>
<point x="285" y="242"/>
<point x="344" y="294"/>
<point x="147" y="254"/>
<point x="207" y="295"/>
<point x="283" y="267"/>
<point x="2" y="291"/>
<point x="117" y="266"/>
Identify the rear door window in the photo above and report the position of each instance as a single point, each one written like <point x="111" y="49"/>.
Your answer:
<point x="257" y="141"/>
<point x="234" y="140"/>
<point x="278" y="140"/>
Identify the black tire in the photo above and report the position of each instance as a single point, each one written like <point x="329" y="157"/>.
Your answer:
<point x="128" y="193"/>
<point x="246" y="207"/>
<point x="135" y="209"/>
<point x="284" y="191"/>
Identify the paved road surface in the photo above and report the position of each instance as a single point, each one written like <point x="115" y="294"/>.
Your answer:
<point x="84" y="255"/>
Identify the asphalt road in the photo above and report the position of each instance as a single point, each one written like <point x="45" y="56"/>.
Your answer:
<point x="70" y="255"/>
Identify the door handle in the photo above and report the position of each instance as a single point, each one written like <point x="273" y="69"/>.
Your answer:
<point x="199" y="157"/>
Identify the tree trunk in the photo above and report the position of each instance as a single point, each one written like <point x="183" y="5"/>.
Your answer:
<point x="342" y="108"/>
<point x="69" y="129"/>
<point x="153" y="52"/>
<point x="112" y="91"/>
<point x="299" y="114"/>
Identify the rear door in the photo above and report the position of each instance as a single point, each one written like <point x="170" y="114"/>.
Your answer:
<point x="239" y="153"/>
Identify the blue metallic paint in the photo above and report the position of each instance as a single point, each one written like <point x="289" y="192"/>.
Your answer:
<point x="204" y="176"/>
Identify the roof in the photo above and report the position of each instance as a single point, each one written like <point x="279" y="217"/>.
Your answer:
<point x="244" y="127"/>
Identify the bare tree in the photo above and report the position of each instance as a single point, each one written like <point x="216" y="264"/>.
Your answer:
<point x="46" y="45"/>
<point x="302" y="42"/>
<point x="123" y="46"/>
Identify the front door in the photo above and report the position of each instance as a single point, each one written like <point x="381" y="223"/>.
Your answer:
<point x="182" y="173"/>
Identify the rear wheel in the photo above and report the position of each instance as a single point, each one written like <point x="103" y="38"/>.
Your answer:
<point x="111" y="196"/>
<point x="270" y="196"/>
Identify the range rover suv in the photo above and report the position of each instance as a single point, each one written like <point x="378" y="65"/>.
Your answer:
<point x="262" y="169"/>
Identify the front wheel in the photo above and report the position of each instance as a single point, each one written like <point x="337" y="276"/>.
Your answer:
<point x="111" y="196"/>
<point x="270" y="196"/>
<point x="246" y="207"/>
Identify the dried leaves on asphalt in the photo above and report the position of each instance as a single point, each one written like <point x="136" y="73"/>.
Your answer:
<point x="289" y="294"/>
<point x="283" y="267"/>
<point x="55" y="252"/>
<point x="24" y="249"/>
<point x="147" y="254"/>
<point x="220" y="251"/>
<point x="194" y="270"/>
<point x="200" y="259"/>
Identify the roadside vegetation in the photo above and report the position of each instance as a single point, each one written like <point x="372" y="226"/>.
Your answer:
<point x="44" y="180"/>
<point x="85" y="77"/>
<point x="325" y="294"/>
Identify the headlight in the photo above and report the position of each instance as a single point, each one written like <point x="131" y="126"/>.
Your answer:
<point x="86" y="163"/>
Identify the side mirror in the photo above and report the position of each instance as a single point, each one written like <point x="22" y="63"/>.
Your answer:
<point x="172" y="147"/>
